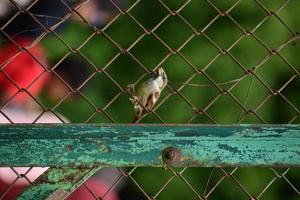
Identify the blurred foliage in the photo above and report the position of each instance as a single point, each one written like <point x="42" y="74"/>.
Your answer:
<point x="252" y="179"/>
<point x="199" y="51"/>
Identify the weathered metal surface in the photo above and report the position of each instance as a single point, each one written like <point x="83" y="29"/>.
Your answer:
<point x="56" y="184"/>
<point x="71" y="145"/>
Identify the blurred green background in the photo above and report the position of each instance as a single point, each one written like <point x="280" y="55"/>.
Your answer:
<point x="199" y="51"/>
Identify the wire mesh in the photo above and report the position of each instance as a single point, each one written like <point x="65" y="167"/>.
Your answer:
<point x="227" y="62"/>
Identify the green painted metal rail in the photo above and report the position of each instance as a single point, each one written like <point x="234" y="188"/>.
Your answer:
<point x="88" y="146"/>
<point x="56" y="183"/>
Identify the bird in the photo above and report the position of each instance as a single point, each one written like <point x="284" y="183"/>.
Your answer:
<point x="148" y="93"/>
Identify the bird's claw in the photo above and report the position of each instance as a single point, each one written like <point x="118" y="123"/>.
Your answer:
<point x="134" y="99"/>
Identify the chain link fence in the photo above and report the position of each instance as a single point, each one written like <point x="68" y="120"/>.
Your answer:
<point x="227" y="62"/>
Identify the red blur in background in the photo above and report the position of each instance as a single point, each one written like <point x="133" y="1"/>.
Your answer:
<point x="22" y="73"/>
<point x="21" y="69"/>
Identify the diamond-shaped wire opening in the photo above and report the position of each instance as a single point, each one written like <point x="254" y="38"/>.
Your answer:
<point x="228" y="27"/>
<point x="244" y="53"/>
<point x="244" y="91"/>
<point x="203" y="94"/>
<point x="178" y="70"/>
<point x="198" y="13"/>
<point x="195" y="48"/>
<point x="15" y="114"/>
<point x="248" y="14"/>
<point x="117" y="106"/>
<point x="21" y="48"/>
<point x="284" y="111"/>
<point x="16" y="90"/>
<point x="101" y="12"/>
<point x="182" y="106"/>
<point x="14" y="180"/>
<point x="178" y="182"/>
<point x="116" y="31"/>
<point x="289" y="52"/>
<point x="100" y="50"/>
<point x="279" y="186"/>
<point x="143" y="13"/>
<point x="83" y="111"/>
<point x="104" y="94"/>
<point x="39" y="25"/>
<point x="104" y="184"/>
<point x="262" y="177"/>
<point x="32" y="16"/>
<point x="289" y="91"/>
<point x="150" y="47"/>
<point x="275" y="73"/>
<point x="13" y="31"/>
<point x="168" y="35"/>
<point x="225" y="69"/>
<point x="157" y="175"/>
<point x="228" y="188"/>
<point x="203" y="179"/>
<point x="271" y="7"/>
<point x="222" y="115"/>
<point x="279" y="32"/>
<point x="130" y="74"/>
<point x="131" y="188"/>
<point x="72" y="39"/>
<point x="287" y="14"/>
<point x="291" y="178"/>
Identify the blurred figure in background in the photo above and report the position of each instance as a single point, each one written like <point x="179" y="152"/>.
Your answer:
<point x="6" y="7"/>
<point x="20" y="73"/>
<point x="23" y="76"/>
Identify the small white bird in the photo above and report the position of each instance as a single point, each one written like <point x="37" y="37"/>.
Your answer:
<point x="148" y="93"/>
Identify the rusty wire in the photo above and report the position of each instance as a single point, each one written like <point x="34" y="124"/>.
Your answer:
<point x="251" y="72"/>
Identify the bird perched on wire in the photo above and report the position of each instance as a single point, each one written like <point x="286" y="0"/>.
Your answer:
<point x="148" y="93"/>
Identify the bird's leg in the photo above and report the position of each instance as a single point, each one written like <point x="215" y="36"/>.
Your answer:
<point x="156" y="95"/>
<point x="148" y="104"/>
<point x="151" y="101"/>
<point x="134" y="98"/>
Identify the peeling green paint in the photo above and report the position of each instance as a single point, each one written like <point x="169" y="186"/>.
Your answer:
<point x="54" y="179"/>
<point x="65" y="145"/>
